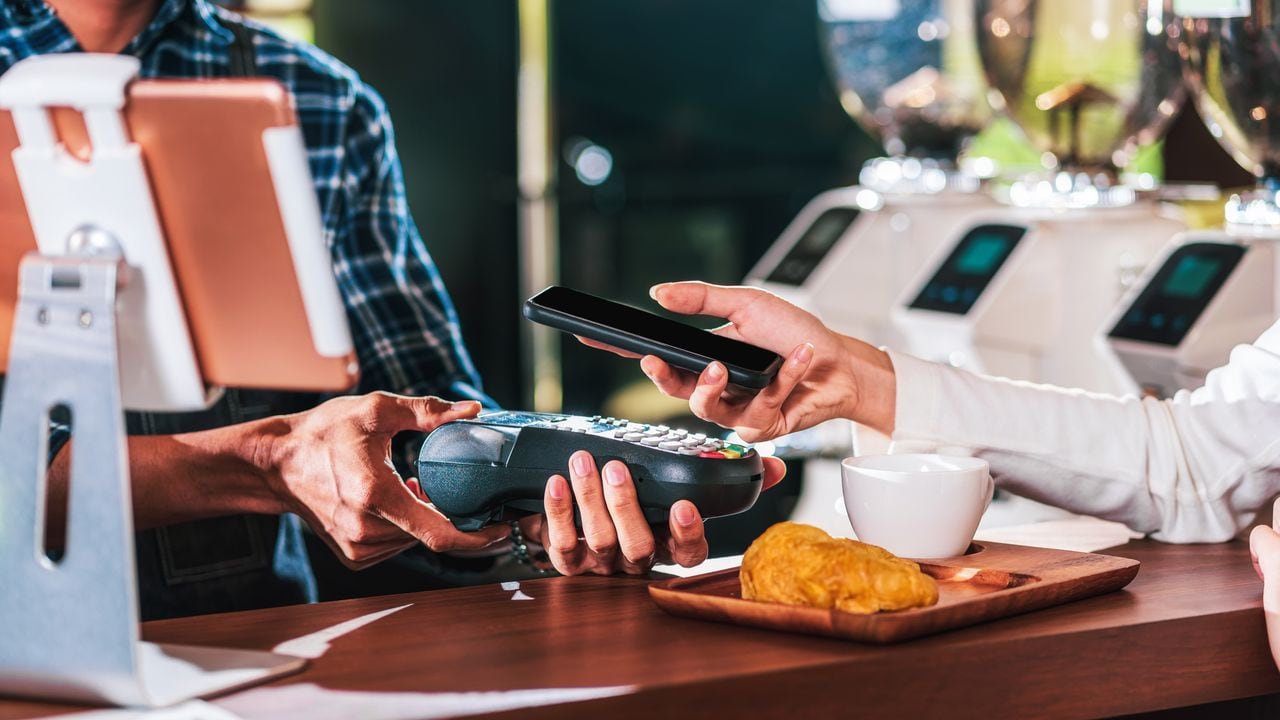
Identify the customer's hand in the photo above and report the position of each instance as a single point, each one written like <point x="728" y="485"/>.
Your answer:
<point x="615" y="536"/>
<point x="332" y="466"/>
<point x="825" y="375"/>
<point x="1264" y="546"/>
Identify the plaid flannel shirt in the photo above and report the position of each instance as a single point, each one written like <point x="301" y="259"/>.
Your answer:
<point x="402" y="320"/>
<point x="404" y="326"/>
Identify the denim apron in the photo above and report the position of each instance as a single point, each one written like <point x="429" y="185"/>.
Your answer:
<point x="228" y="563"/>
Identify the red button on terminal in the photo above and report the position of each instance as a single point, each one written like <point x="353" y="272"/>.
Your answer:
<point x="713" y="454"/>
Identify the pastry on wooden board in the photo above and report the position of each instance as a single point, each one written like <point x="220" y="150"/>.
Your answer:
<point x="797" y="564"/>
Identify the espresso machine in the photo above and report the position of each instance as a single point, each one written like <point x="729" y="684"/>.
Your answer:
<point x="908" y="72"/>
<point x="1213" y="290"/>
<point x="1021" y="291"/>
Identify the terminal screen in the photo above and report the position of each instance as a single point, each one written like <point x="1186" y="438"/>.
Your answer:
<point x="1192" y="276"/>
<point x="983" y="254"/>
<point x="1178" y="293"/>
<point x="960" y="280"/>
<point x="813" y="246"/>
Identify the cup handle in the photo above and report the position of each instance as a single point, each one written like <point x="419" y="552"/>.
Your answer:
<point x="991" y="491"/>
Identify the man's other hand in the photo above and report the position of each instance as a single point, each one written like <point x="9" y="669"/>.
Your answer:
<point x="332" y="466"/>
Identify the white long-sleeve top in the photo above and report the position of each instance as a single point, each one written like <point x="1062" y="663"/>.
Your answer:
<point x="1194" y="468"/>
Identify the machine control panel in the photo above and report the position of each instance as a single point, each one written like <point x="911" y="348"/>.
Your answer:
<point x="1167" y="308"/>
<point x="807" y="252"/>
<point x="959" y="281"/>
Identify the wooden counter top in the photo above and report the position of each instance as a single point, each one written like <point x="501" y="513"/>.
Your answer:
<point x="1188" y="630"/>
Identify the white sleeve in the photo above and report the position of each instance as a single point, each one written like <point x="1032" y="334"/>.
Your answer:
<point x="1195" y="468"/>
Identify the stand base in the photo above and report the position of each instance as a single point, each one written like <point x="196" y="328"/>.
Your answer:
<point x="174" y="673"/>
<point x="166" y="675"/>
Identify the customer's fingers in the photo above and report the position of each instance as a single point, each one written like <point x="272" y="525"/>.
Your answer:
<point x="588" y="493"/>
<point x="670" y="381"/>
<point x="768" y="402"/>
<point x="561" y="543"/>
<point x="774" y="471"/>
<point x="635" y="537"/>
<point x="705" y="401"/>
<point x="1264" y="544"/>
<point x="688" y="542"/>
<point x="607" y="348"/>
<point x="1264" y="549"/>
<point x="699" y="298"/>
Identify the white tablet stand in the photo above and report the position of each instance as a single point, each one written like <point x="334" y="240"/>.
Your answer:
<point x="99" y="326"/>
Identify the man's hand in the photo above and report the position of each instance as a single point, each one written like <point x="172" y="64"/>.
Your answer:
<point x="825" y="375"/>
<point x="615" y="536"/>
<point x="332" y="466"/>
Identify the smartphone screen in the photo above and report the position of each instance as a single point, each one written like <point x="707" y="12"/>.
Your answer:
<point x="635" y="322"/>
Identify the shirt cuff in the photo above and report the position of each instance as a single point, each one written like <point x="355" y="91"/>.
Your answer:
<point x="919" y="390"/>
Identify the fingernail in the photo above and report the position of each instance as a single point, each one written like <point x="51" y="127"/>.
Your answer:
<point x="613" y="474"/>
<point x="581" y="463"/>
<point x="715" y="371"/>
<point x="803" y="354"/>
<point x="653" y="291"/>
<point x="555" y="486"/>
<point x="684" y="514"/>
<point x="467" y="406"/>
<point x="647" y="364"/>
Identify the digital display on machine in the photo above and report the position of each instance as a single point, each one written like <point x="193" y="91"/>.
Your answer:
<point x="1191" y="276"/>
<point x="1178" y="293"/>
<point x="813" y="246"/>
<point x="967" y="271"/>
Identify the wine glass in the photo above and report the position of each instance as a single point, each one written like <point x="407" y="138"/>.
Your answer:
<point x="908" y="72"/>
<point x="1232" y="65"/>
<point x="1088" y="82"/>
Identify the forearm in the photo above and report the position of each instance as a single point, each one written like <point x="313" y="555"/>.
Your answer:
<point x="178" y="478"/>
<point x="1196" y="468"/>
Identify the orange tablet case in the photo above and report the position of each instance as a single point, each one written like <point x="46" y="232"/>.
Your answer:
<point x="202" y="145"/>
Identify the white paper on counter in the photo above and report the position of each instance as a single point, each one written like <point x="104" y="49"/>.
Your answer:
<point x="316" y="644"/>
<point x="1080" y="534"/>
<point x="307" y="701"/>
<point x="190" y="710"/>
<point x="709" y="565"/>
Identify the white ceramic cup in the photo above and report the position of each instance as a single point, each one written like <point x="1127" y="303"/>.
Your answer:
<point x="916" y="506"/>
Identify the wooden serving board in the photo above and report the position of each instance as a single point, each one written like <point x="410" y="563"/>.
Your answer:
<point x="992" y="581"/>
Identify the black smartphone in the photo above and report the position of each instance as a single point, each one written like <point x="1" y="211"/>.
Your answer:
<point x="629" y="328"/>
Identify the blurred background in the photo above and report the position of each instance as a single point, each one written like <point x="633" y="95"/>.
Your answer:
<point x="682" y="135"/>
<point x="608" y="145"/>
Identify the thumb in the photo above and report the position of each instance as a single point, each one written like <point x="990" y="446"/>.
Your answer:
<point x="699" y="298"/>
<point x="398" y="413"/>
<point x="774" y="471"/>
<point x="1264" y="546"/>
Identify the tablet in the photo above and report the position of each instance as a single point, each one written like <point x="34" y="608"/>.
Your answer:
<point x="203" y="143"/>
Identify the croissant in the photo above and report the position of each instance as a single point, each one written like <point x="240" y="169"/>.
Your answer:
<point x="797" y="564"/>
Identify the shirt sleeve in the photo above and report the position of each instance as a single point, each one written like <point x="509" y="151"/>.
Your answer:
<point x="1194" y="468"/>
<point x="402" y="320"/>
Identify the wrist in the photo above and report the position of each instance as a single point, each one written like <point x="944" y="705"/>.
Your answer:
<point x="872" y="400"/>
<point x="244" y="464"/>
